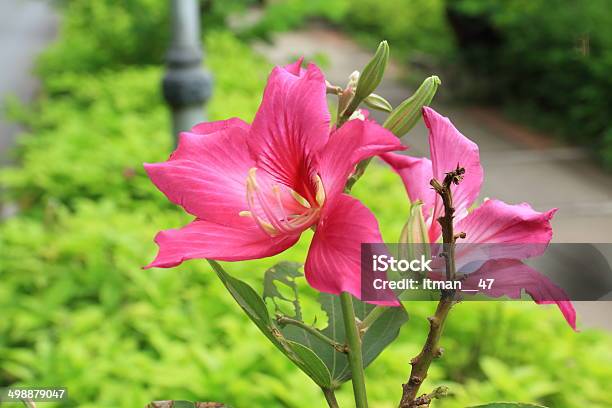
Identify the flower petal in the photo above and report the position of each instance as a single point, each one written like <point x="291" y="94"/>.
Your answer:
<point x="497" y="230"/>
<point x="354" y="141"/>
<point x="206" y="174"/>
<point x="203" y="239"/>
<point x="497" y="222"/>
<point x="295" y="68"/>
<point x="512" y="276"/>
<point x="292" y="123"/>
<point x="205" y="128"/>
<point x="416" y="173"/>
<point x="333" y="264"/>
<point x="449" y="149"/>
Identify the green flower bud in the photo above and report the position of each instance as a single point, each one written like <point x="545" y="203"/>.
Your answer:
<point x="373" y="72"/>
<point x="406" y="115"/>
<point x="377" y="102"/>
<point x="415" y="233"/>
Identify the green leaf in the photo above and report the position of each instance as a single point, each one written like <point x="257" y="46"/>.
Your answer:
<point x="507" y="405"/>
<point x="247" y="298"/>
<point x="284" y="273"/>
<point x="313" y="364"/>
<point x="377" y="102"/>
<point x="320" y="361"/>
<point x="255" y="308"/>
<point x="382" y="332"/>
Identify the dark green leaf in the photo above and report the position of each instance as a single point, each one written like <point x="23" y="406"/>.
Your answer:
<point x="313" y="365"/>
<point x="382" y="332"/>
<point x="255" y="308"/>
<point x="318" y="359"/>
<point x="246" y="297"/>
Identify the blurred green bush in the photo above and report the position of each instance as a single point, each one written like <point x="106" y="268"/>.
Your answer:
<point x="77" y="310"/>
<point x="547" y="61"/>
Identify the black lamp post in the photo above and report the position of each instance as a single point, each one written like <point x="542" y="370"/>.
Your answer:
<point x="186" y="86"/>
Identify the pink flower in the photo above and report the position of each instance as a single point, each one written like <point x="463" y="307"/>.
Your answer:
<point x="494" y="222"/>
<point x="255" y="188"/>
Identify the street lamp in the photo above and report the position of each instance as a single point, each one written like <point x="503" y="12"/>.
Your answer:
<point x="186" y="86"/>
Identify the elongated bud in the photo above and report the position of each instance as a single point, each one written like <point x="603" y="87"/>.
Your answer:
<point x="377" y="102"/>
<point x="373" y="72"/>
<point x="353" y="80"/>
<point x="407" y="114"/>
<point x="414" y="233"/>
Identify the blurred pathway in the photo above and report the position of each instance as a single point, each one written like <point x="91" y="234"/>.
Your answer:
<point x="519" y="164"/>
<point x="26" y="26"/>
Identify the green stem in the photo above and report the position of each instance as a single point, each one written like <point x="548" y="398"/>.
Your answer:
<point x="354" y="353"/>
<point x="371" y="318"/>
<point x="359" y="171"/>
<point x="285" y="320"/>
<point x="330" y="397"/>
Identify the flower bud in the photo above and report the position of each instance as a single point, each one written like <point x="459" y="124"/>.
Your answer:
<point x="406" y="115"/>
<point x="373" y="72"/>
<point x="377" y="102"/>
<point x="358" y="114"/>
<point x="415" y="233"/>
<point x="353" y="80"/>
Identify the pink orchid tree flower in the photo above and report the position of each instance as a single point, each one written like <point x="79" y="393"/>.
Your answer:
<point x="255" y="188"/>
<point x="494" y="222"/>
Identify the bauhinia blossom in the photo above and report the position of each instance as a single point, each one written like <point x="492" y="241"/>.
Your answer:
<point x="255" y="188"/>
<point x="494" y="222"/>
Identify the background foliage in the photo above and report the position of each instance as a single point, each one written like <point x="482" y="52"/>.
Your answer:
<point x="78" y="311"/>
<point x="546" y="62"/>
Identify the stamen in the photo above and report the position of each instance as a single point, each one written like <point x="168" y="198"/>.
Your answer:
<point x="279" y="201"/>
<point x="305" y="219"/>
<point x="301" y="200"/>
<point x="267" y="227"/>
<point x="265" y="206"/>
<point x="252" y="187"/>
<point x="320" y="191"/>
<point x="276" y="219"/>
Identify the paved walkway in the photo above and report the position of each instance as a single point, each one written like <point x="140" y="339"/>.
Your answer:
<point x="26" y="26"/>
<point x="519" y="164"/>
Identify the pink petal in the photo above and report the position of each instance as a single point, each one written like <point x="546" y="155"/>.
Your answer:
<point x="450" y="148"/>
<point x="206" y="174"/>
<point x="512" y="276"/>
<point x="511" y="231"/>
<point x="333" y="264"/>
<point x="497" y="222"/>
<point x="566" y="307"/>
<point x="205" y="128"/>
<point x="295" y="68"/>
<point x="203" y="239"/>
<point x="416" y="173"/>
<point x="291" y="125"/>
<point x="354" y="141"/>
